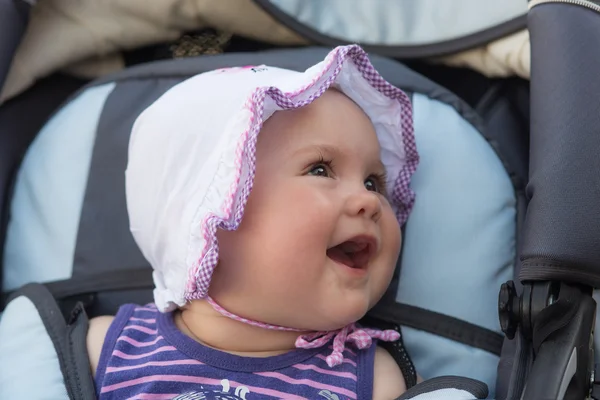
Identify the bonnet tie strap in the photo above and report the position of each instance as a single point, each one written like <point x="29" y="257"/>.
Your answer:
<point x="362" y="338"/>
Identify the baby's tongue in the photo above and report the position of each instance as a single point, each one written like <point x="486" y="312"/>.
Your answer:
<point x="337" y="254"/>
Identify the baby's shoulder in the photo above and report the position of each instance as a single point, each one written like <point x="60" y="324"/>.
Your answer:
<point x="100" y="327"/>
<point x="388" y="381"/>
<point x="97" y="330"/>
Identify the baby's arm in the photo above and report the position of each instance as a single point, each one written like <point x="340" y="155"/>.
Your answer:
<point x="388" y="381"/>
<point x="95" y="339"/>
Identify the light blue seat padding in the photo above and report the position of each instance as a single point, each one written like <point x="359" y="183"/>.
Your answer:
<point x="445" y="394"/>
<point x="49" y="192"/>
<point x="459" y="240"/>
<point x="401" y="23"/>
<point x="29" y="367"/>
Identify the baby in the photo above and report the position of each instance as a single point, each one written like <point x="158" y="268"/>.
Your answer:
<point x="269" y="203"/>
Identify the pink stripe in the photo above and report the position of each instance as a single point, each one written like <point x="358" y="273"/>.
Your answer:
<point x="146" y="320"/>
<point x="305" y="367"/>
<point x="120" y="354"/>
<point x="154" y="396"/>
<point x="145" y="309"/>
<point x="153" y="364"/>
<point x="135" y="343"/>
<point x="307" y="382"/>
<point x="198" y="380"/>
<point x="322" y="357"/>
<point x="142" y="329"/>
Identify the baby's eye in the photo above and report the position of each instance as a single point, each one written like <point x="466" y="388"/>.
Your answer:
<point x="374" y="184"/>
<point x="319" y="170"/>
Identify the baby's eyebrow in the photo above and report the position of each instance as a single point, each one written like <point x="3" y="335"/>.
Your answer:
<point x="323" y="149"/>
<point x="381" y="166"/>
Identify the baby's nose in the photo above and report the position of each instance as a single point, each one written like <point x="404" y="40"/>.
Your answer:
<point x="365" y="203"/>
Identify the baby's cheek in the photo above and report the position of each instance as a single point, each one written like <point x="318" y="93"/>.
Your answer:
<point x="391" y="231"/>
<point x="392" y="243"/>
<point x="309" y="212"/>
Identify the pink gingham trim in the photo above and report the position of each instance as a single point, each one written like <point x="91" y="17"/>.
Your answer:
<point x="362" y="338"/>
<point x="402" y="196"/>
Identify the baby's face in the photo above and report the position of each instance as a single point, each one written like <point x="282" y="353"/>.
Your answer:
<point x="319" y="241"/>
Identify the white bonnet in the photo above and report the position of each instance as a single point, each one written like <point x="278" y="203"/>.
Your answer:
<point x="192" y="157"/>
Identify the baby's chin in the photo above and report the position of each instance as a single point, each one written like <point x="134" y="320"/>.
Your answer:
<point x="335" y="317"/>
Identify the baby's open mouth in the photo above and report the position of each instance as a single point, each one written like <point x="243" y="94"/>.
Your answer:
<point x="354" y="253"/>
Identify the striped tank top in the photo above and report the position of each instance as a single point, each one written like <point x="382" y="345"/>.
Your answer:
<point x="145" y="356"/>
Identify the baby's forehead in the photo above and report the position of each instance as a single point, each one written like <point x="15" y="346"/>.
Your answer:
<point x="331" y="141"/>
